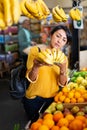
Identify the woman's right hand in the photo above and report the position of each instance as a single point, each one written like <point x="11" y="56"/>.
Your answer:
<point x="38" y="63"/>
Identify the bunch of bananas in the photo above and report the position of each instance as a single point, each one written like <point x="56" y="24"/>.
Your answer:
<point x="59" y="14"/>
<point x="51" y="56"/>
<point x="34" y="9"/>
<point x="75" y="14"/>
<point x="9" y="13"/>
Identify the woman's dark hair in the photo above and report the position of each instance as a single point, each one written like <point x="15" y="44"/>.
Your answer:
<point x="66" y="29"/>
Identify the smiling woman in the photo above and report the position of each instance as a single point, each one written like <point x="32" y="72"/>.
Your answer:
<point x="45" y="80"/>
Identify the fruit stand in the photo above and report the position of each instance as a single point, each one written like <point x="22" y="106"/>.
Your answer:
<point x="69" y="109"/>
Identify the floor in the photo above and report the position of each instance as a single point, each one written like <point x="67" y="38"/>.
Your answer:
<point x="11" y="111"/>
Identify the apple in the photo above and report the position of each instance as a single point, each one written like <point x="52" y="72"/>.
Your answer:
<point x="59" y="106"/>
<point x="75" y="109"/>
<point x="80" y="113"/>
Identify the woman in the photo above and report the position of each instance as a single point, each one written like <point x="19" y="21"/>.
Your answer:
<point x="45" y="79"/>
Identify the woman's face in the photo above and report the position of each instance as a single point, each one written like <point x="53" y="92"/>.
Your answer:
<point x="58" y="39"/>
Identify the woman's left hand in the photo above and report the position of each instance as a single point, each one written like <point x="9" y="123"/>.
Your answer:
<point x="62" y="66"/>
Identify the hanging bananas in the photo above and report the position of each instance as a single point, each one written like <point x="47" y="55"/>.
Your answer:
<point x="24" y="10"/>
<point x="16" y="11"/>
<point x="59" y="14"/>
<point x="75" y="14"/>
<point x="9" y="13"/>
<point x="34" y="9"/>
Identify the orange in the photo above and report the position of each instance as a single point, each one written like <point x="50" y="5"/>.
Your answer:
<point x="77" y="95"/>
<point x="65" y="89"/>
<point x="56" y="97"/>
<point x="57" y="116"/>
<point x="83" y="119"/>
<point x="73" y="100"/>
<point x="85" y="96"/>
<point x="70" y="94"/>
<point x="80" y="100"/>
<point x="69" y="117"/>
<point x="76" y="124"/>
<point x="67" y="100"/>
<point x="64" y="128"/>
<point x="48" y="122"/>
<point x="55" y="127"/>
<point x="35" y="125"/>
<point x="62" y="98"/>
<point x="63" y="122"/>
<point x="43" y="127"/>
<point x="48" y="116"/>
<point x="40" y="120"/>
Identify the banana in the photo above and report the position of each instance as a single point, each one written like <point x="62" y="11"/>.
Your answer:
<point x="1" y="7"/>
<point x="49" y="52"/>
<point x="56" y="17"/>
<point x="61" y="13"/>
<point x="7" y="12"/>
<point x="24" y="10"/>
<point x="47" y="55"/>
<point x="44" y="7"/>
<point x="54" y="52"/>
<point x="75" y="14"/>
<point x="32" y="7"/>
<point x="42" y="57"/>
<point x="62" y="58"/>
<point x="2" y="22"/>
<point x="40" y="12"/>
<point x="72" y="13"/>
<point x="78" y="14"/>
<point x="15" y="10"/>
<point x="59" y="53"/>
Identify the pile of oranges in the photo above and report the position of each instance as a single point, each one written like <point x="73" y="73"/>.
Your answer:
<point x="59" y="121"/>
<point x="71" y="96"/>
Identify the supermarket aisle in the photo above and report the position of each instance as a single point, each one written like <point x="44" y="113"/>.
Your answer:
<point x="11" y="111"/>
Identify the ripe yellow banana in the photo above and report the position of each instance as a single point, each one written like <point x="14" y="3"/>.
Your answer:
<point x="44" y="7"/>
<point x="58" y="54"/>
<point x="24" y="10"/>
<point x="56" y="17"/>
<point x="40" y="12"/>
<point x="7" y="12"/>
<point x="1" y="7"/>
<point x="75" y="14"/>
<point x="15" y="10"/>
<point x="61" y="13"/>
<point x="78" y="14"/>
<point x="47" y="55"/>
<point x="32" y="8"/>
<point x="72" y="13"/>
<point x="2" y="22"/>
<point x="62" y="58"/>
<point x="54" y="52"/>
<point x="42" y="57"/>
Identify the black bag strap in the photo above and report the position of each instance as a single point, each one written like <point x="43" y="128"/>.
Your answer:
<point x="39" y="49"/>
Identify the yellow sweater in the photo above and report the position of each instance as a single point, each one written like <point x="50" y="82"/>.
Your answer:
<point x="46" y="84"/>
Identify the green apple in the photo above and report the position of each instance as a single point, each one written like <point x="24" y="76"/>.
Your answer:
<point x="59" y="106"/>
<point x="75" y="109"/>
<point x="80" y="113"/>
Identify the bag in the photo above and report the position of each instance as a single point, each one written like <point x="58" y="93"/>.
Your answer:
<point x="19" y="82"/>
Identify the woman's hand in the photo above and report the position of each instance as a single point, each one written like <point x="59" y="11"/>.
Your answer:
<point x="63" y="74"/>
<point x="38" y="63"/>
<point x="62" y="66"/>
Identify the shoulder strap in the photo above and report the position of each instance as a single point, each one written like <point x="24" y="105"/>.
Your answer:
<point x="39" y="49"/>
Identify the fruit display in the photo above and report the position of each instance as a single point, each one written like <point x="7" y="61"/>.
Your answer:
<point x="35" y="9"/>
<point x="62" y="118"/>
<point x="59" y="14"/>
<point x="9" y="13"/>
<point x="75" y="14"/>
<point x="52" y="56"/>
